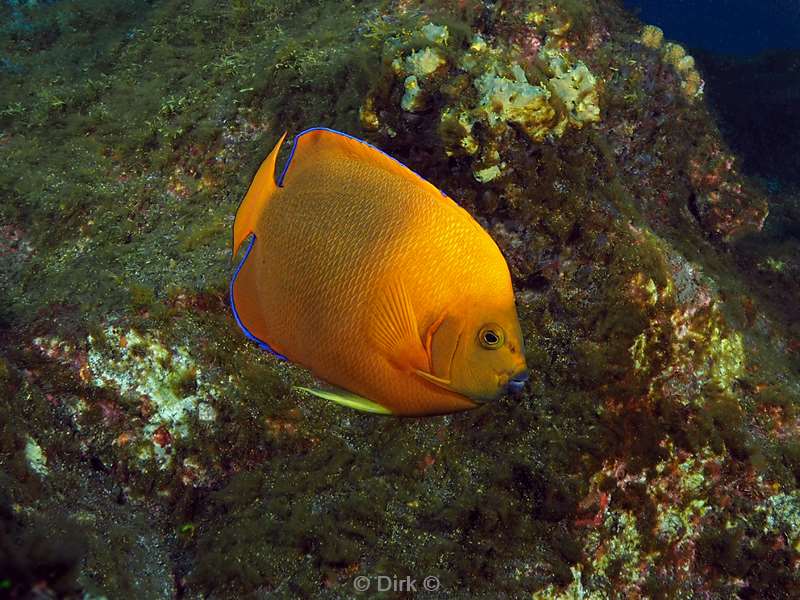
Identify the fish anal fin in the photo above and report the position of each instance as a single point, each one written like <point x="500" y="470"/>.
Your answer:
<point x="348" y="399"/>
<point x="394" y="329"/>
<point x="258" y="194"/>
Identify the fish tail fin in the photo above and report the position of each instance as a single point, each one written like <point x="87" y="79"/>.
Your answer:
<point x="258" y="194"/>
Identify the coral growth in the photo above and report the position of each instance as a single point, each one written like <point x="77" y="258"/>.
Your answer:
<point x="166" y="383"/>
<point x="488" y="85"/>
<point x="147" y="449"/>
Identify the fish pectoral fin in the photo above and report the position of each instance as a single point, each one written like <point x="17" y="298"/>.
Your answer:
<point x="442" y="383"/>
<point x="394" y="330"/>
<point x="429" y="339"/>
<point x="348" y="399"/>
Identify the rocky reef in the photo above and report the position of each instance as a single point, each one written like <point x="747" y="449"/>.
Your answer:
<point x="147" y="449"/>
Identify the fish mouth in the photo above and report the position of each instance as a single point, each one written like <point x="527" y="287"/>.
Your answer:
<point x="517" y="383"/>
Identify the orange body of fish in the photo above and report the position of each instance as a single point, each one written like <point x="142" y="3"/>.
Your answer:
<point x="371" y="277"/>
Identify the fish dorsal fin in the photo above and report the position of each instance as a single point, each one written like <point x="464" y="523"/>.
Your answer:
<point x="348" y="399"/>
<point x="393" y="328"/>
<point x="316" y="145"/>
<point x="258" y="194"/>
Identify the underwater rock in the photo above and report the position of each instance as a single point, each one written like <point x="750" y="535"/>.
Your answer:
<point x="722" y="200"/>
<point x="503" y="100"/>
<point x="436" y="34"/>
<point x="412" y="98"/>
<point x="691" y="82"/>
<point x="455" y="130"/>
<point x="654" y="450"/>
<point x="488" y="85"/>
<point x="166" y="383"/>
<point x="575" y="86"/>
<point x="37" y="462"/>
<point x="421" y="63"/>
<point x="652" y="37"/>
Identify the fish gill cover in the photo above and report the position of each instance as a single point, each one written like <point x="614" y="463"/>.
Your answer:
<point x="148" y="450"/>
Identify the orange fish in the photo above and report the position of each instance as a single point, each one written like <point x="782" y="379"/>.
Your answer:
<point x="368" y="275"/>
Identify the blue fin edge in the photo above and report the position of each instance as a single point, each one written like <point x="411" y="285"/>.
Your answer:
<point x="262" y="344"/>
<point x="347" y="135"/>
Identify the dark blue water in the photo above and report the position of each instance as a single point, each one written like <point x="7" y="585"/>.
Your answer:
<point x="748" y="52"/>
<point x="733" y="27"/>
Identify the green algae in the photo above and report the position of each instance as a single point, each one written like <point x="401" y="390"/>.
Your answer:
<point x="157" y="120"/>
<point x="53" y="519"/>
<point x="141" y="297"/>
<point x="135" y="171"/>
<point x="35" y="548"/>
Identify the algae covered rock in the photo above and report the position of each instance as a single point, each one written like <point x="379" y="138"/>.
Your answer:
<point x="652" y="36"/>
<point x="503" y="100"/>
<point x="654" y="452"/>
<point x="496" y="85"/>
<point x="575" y="86"/>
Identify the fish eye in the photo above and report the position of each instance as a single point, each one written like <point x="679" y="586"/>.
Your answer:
<point x="491" y="336"/>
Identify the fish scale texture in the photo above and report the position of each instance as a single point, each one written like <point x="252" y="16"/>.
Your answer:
<point x="331" y="239"/>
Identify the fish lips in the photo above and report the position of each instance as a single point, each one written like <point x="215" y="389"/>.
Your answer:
<point x="513" y="386"/>
<point x="517" y="383"/>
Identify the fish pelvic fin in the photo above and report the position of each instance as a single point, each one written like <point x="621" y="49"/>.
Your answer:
<point x="442" y="383"/>
<point x="348" y="399"/>
<point x="394" y="330"/>
<point x="258" y="194"/>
